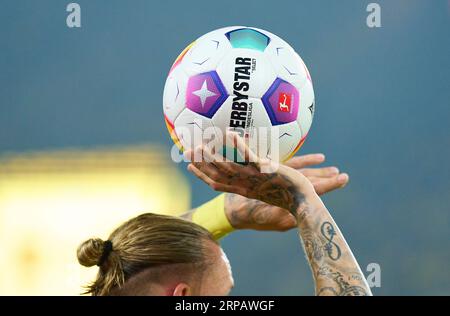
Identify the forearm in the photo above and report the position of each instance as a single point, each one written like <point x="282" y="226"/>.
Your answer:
<point x="335" y="269"/>
<point x="245" y="213"/>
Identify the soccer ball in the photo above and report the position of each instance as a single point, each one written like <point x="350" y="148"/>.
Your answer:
<point x="243" y="79"/>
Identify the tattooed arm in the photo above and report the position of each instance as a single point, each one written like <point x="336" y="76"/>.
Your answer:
<point x="334" y="268"/>
<point x="245" y="213"/>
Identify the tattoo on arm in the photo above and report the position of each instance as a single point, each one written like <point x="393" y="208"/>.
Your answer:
<point x="334" y="268"/>
<point x="344" y="288"/>
<point x="243" y="211"/>
<point x="313" y="246"/>
<point x="274" y="188"/>
<point x="332" y="249"/>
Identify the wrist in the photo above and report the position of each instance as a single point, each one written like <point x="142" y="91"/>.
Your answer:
<point x="303" y="194"/>
<point x="232" y="208"/>
<point x="309" y="203"/>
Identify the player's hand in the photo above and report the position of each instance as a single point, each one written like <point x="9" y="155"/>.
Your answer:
<point x="245" y="213"/>
<point x="323" y="179"/>
<point x="261" y="179"/>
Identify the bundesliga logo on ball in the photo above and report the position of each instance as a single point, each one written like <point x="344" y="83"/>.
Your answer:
<point x="245" y="80"/>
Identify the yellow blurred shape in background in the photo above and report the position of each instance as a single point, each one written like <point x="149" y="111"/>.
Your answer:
<point x="52" y="201"/>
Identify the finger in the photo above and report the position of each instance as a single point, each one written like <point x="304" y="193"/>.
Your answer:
<point x="218" y="168"/>
<point x="211" y="170"/>
<point x="204" y="161"/>
<point x="220" y="162"/>
<point x="195" y="155"/>
<point x="202" y="153"/>
<point x="189" y="155"/>
<point x="325" y="185"/>
<point x="245" y="152"/>
<point x="320" y="172"/>
<point x="305" y="161"/>
<point x="253" y="164"/>
<point x="217" y="186"/>
<point x="226" y="165"/>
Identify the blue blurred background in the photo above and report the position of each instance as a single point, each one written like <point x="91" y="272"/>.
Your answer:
<point x="383" y="113"/>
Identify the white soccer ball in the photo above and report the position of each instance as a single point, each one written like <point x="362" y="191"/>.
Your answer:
<point x="244" y="79"/>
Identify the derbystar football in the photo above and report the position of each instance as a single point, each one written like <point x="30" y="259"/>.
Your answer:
<point x="243" y="79"/>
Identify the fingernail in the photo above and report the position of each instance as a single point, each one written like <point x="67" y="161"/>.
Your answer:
<point x="320" y="157"/>
<point x="342" y="178"/>
<point x="334" y="170"/>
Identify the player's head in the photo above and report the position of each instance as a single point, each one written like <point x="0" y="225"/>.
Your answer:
<point x="157" y="255"/>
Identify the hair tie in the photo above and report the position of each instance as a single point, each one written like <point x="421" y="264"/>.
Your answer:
<point x="107" y="248"/>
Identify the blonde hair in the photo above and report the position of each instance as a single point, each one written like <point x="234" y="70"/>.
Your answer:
<point x="146" y="241"/>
